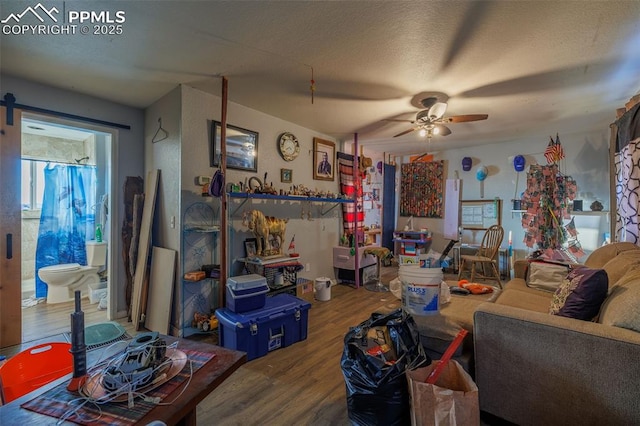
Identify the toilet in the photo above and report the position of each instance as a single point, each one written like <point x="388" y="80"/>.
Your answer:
<point x="63" y="280"/>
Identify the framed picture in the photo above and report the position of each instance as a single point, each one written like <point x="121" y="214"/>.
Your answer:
<point x="324" y="154"/>
<point x="250" y="247"/>
<point x="286" y="175"/>
<point x="242" y="147"/>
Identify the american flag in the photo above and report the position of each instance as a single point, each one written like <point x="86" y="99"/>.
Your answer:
<point x="558" y="149"/>
<point x="549" y="153"/>
<point x="554" y="151"/>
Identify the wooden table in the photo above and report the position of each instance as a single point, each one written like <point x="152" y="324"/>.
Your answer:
<point x="182" y="411"/>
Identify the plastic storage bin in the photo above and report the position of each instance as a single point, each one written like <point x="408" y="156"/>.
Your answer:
<point x="97" y="292"/>
<point x="282" y="322"/>
<point x="35" y="367"/>
<point x="246" y="293"/>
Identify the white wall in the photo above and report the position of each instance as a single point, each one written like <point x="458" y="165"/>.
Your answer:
<point x="129" y="150"/>
<point x="314" y="239"/>
<point x="586" y="161"/>
<point x="165" y="155"/>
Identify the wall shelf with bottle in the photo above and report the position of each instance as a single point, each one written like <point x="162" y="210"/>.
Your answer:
<point x="248" y="196"/>
<point x="200" y="267"/>
<point x="589" y="213"/>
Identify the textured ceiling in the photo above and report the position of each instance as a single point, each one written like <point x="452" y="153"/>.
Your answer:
<point x="535" y="67"/>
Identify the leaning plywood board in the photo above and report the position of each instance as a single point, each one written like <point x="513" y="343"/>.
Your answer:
<point x="160" y="290"/>
<point x="150" y="189"/>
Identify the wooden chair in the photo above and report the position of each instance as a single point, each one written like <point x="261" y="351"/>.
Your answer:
<point x="485" y="258"/>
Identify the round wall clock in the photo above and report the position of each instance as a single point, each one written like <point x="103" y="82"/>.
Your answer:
<point x="288" y="146"/>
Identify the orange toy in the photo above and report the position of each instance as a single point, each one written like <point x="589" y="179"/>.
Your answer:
<point x="475" y="288"/>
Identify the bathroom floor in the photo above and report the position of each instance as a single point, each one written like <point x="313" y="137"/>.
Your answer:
<point x="46" y="323"/>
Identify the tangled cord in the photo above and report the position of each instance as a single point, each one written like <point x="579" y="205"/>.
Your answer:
<point x="94" y="377"/>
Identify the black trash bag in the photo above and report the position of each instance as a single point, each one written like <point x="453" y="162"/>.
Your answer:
<point x="377" y="389"/>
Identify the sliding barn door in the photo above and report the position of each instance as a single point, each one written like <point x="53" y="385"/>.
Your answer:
<point x="10" y="234"/>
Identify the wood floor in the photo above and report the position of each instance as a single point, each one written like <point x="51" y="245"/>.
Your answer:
<point x="47" y="323"/>
<point x="303" y="383"/>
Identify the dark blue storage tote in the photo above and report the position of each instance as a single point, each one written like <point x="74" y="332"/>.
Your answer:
<point x="282" y="322"/>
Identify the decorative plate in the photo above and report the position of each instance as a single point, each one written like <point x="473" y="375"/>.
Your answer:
<point x="93" y="386"/>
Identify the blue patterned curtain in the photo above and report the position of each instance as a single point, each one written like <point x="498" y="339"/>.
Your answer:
<point x="67" y="219"/>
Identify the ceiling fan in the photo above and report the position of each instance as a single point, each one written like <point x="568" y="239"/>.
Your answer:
<point x="430" y="121"/>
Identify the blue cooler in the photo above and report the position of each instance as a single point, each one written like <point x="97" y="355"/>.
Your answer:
<point x="282" y="322"/>
<point x="246" y="292"/>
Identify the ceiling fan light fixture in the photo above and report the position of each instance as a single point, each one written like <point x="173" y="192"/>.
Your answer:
<point x="436" y="131"/>
<point x="437" y="110"/>
<point x="422" y="133"/>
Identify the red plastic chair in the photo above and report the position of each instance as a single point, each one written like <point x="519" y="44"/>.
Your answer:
<point x="33" y="368"/>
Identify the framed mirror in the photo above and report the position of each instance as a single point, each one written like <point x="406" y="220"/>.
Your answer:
<point x="242" y="147"/>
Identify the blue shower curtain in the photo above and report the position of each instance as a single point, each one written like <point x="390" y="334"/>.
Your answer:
<point x="67" y="219"/>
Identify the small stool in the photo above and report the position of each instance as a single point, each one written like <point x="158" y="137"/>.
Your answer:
<point x="380" y="253"/>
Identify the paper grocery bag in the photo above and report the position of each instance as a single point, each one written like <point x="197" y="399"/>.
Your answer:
<point x="452" y="400"/>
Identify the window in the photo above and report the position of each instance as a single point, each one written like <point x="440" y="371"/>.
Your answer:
<point x="32" y="184"/>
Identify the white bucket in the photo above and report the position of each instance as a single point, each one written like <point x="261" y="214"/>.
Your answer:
<point x="323" y="289"/>
<point x="420" y="289"/>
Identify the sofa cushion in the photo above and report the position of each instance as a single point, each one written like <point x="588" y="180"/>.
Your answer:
<point x="622" y="307"/>
<point x="603" y="254"/>
<point x="526" y="300"/>
<point x="620" y="265"/>
<point x="521" y="285"/>
<point x="546" y="275"/>
<point x="581" y="294"/>
<point x="460" y="311"/>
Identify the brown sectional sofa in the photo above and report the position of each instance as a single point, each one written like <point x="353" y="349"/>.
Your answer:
<point x="533" y="368"/>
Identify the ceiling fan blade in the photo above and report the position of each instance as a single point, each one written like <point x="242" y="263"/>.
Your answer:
<point x="465" y="118"/>
<point x="405" y="132"/>
<point x="443" y="130"/>
<point x="399" y="120"/>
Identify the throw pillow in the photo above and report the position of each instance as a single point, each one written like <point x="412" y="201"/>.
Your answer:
<point x="622" y="307"/>
<point x="546" y="275"/>
<point x="620" y="265"/>
<point x="580" y="294"/>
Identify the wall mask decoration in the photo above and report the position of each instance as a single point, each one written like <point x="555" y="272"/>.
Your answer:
<point x="467" y="163"/>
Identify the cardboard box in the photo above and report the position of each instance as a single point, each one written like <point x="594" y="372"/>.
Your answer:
<point x="305" y="289"/>
<point x="408" y="259"/>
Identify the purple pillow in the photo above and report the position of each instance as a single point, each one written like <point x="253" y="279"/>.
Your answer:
<point x="580" y="294"/>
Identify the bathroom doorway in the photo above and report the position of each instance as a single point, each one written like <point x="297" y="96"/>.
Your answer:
<point x="48" y="144"/>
